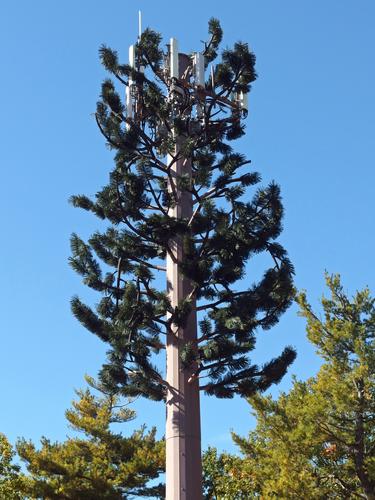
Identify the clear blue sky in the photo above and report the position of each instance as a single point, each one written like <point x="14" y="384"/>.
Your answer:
<point x="310" y="128"/>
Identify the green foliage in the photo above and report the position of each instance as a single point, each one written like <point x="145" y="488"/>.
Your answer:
<point x="318" y="440"/>
<point x="214" y="29"/>
<point x="224" y="477"/>
<point x="103" y="464"/>
<point x="11" y="479"/>
<point x="229" y="226"/>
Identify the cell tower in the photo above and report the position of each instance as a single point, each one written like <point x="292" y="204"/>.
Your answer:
<point x="190" y="96"/>
<point x="175" y="204"/>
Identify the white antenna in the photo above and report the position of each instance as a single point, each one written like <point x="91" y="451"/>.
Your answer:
<point x="132" y="56"/>
<point x="139" y="24"/>
<point x="174" y="58"/>
<point x="244" y="101"/>
<point x="199" y="78"/>
<point x="199" y="69"/>
<point x="129" y="97"/>
<point x="212" y="77"/>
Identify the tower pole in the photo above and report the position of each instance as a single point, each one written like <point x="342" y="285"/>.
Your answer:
<point x="183" y="433"/>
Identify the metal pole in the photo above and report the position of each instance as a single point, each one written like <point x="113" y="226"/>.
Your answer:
<point x="183" y="433"/>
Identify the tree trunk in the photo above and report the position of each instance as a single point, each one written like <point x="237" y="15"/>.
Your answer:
<point x="368" y="486"/>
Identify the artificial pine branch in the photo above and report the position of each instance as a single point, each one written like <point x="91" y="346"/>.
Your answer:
<point x="227" y="229"/>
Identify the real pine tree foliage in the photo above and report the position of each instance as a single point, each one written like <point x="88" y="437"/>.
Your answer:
<point x="318" y="440"/>
<point x="11" y="479"/>
<point x="102" y="464"/>
<point x="228" y="227"/>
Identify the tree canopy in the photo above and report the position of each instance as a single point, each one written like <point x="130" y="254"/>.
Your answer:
<point x="318" y="440"/>
<point x="102" y="464"/>
<point x="124" y="263"/>
<point x="11" y="481"/>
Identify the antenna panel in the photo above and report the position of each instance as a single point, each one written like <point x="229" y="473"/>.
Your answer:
<point x="243" y="101"/>
<point x="129" y="97"/>
<point x="132" y="56"/>
<point x="199" y="69"/>
<point x="174" y="58"/>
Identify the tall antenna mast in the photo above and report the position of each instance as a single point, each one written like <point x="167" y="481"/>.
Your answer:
<point x="183" y="427"/>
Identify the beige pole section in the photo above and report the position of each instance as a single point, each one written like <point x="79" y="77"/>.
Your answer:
<point x="183" y="433"/>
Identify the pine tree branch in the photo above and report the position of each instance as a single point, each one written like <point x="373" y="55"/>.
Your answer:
<point x="120" y="79"/>
<point x="235" y="81"/>
<point x="156" y="199"/>
<point x="325" y="428"/>
<point x="327" y="332"/>
<point x="126" y="221"/>
<point x="162" y="322"/>
<point x="194" y="214"/>
<point x="218" y="191"/>
<point x="116" y="146"/>
<point x="222" y="301"/>
<point x="208" y="45"/>
<point x="118" y="280"/>
<point x="142" y="236"/>
<point x="157" y="73"/>
<point x="147" y="264"/>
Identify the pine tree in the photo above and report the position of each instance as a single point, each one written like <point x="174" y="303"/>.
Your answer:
<point x="226" y="477"/>
<point x="102" y="465"/>
<point x="168" y="121"/>
<point x="318" y="440"/>
<point x="11" y="478"/>
<point x="345" y="386"/>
